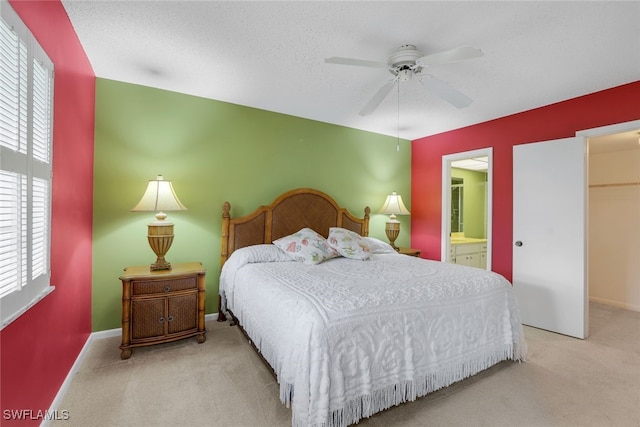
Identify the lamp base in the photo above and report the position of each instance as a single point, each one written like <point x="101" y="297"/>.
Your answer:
<point x="160" y="236"/>
<point x="392" y="230"/>
<point x="160" y="265"/>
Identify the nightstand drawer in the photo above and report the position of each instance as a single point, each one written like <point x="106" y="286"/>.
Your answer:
<point x="147" y="287"/>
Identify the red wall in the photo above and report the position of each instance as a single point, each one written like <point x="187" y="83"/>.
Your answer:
<point x="561" y="120"/>
<point x="38" y="349"/>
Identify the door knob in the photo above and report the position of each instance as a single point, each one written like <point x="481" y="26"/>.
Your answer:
<point x="518" y="243"/>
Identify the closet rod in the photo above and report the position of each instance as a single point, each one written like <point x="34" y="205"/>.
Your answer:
<point x="618" y="184"/>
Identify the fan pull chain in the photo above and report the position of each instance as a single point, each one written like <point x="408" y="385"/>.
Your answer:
<point x="398" y="141"/>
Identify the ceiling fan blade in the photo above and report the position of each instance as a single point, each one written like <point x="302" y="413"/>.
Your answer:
<point x="456" y="54"/>
<point x="446" y="92"/>
<point x="377" y="98"/>
<point x="358" y="62"/>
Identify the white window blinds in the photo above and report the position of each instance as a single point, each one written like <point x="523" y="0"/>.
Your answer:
<point x="26" y="118"/>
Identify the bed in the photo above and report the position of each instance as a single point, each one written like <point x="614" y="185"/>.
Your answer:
<point x="364" y="328"/>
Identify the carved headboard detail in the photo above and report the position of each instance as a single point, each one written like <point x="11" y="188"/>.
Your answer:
<point x="291" y="211"/>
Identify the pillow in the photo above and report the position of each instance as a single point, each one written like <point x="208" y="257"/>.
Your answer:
<point x="259" y="253"/>
<point x="349" y="244"/>
<point x="306" y="246"/>
<point x="378" y="246"/>
<point x="247" y="255"/>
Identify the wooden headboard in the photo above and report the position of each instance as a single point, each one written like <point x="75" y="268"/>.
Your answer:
<point x="293" y="210"/>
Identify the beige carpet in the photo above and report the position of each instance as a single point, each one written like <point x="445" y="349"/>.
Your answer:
<point x="565" y="382"/>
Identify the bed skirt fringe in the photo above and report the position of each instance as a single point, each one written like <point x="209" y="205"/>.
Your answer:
<point x="393" y="395"/>
<point x="405" y="391"/>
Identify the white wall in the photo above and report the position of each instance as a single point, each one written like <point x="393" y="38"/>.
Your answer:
<point x="614" y="228"/>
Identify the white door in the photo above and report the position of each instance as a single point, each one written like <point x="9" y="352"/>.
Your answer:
<point x="549" y="235"/>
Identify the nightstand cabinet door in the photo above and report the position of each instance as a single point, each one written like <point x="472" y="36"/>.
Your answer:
<point x="182" y="313"/>
<point x="147" y="319"/>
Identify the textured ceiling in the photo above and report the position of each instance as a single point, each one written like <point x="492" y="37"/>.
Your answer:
<point x="270" y="55"/>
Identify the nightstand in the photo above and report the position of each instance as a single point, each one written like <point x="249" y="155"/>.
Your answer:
<point x="410" y="252"/>
<point x="162" y="306"/>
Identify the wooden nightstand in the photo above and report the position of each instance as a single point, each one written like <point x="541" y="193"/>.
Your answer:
<point x="410" y="252"/>
<point x="162" y="306"/>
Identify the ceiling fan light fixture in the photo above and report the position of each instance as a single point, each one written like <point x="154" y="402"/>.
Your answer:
<point x="405" y="75"/>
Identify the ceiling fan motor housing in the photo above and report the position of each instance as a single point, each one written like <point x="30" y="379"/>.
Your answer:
<point x="403" y="62"/>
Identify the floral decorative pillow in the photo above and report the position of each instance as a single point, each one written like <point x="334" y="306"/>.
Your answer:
<point x="306" y="246"/>
<point x="349" y="244"/>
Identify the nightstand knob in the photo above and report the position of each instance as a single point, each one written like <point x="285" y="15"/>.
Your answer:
<point x="170" y="318"/>
<point x="161" y="320"/>
<point x="167" y="288"/>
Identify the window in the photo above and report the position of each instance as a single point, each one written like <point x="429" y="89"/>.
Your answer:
<point x="26" y="121"/>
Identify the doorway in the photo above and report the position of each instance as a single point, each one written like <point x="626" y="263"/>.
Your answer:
<point x="479" y="216"/>
<point x="613" y="211"/>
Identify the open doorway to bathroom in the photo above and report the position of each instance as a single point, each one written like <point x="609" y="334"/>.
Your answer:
<point x="466" y="208"/>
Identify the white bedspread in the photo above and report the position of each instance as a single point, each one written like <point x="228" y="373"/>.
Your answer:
<point x="350" y="338"/>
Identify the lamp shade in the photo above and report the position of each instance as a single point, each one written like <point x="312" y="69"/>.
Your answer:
<point x="394" y="206"/>
<point x="159" y="196"/>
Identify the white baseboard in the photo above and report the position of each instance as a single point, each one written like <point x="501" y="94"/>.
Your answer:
<point x="617" y="304"/>
<point x="62" y="391"/>
<point x="67" y="381"/>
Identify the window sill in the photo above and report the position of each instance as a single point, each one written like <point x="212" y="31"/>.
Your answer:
<point x="33" y="302"/>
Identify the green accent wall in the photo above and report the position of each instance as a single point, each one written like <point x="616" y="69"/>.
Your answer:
<point x="214" y="152"/>
<point x="474" y="202"/>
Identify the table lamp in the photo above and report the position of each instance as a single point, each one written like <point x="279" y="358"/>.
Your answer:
<point x="159" y="197"/>
<point x="393" y="206"/>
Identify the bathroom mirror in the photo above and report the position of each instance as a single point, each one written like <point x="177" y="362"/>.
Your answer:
<point x="457" y="204"/>
<point x="466" y="208"/>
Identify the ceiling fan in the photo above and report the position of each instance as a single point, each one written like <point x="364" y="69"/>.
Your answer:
<point x="407" y="62"/>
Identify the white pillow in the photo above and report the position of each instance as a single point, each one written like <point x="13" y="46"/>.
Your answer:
<point x="259" y="253"/>
<point x="378" y="246"/>
<point x="349" y="244"/>
<point x="306" y="246"/>
<point x="244" y="256"/>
